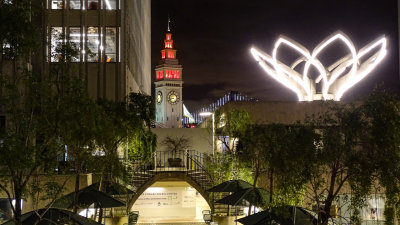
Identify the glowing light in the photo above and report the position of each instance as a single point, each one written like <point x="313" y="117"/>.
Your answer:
<point x="336" y="78"/>
<point x="108" y="5"/>
<point x="171" y="55"/>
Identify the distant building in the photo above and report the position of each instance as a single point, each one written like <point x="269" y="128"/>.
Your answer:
<point x="232" y="96"/>
<point x="168" y="87"/>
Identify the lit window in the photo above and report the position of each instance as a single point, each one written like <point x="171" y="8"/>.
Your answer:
<point x="168" y="44"/>
<point x="168" y="36"/>
<point x="93" y="44"/>
<point x="110" y="4"/>
<point x="2" y="124"/>
<point x="75" y="4"/>
<point x="57" y="4"/>
<point x="163" y="54"/>
<point x="111" y="44"/>
<point x="93" y="4"/>
<point x="56" y="41"/>
<point x="75" y="41"/>
<point x="159" y="74"/>
<point x="7" y="51"/>
<point x="171" y="55"/>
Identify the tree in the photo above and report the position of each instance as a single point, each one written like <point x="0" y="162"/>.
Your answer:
<point x="382" y="144"/>
<point x="229" y="126"/>
<point x="338" y="156"/>
<point x="29" y="143"/>
<point x="120" y="124"/>
<point x="356" y="146"/>
<point x="263" y="149"/>
<point x="176" y="143"/>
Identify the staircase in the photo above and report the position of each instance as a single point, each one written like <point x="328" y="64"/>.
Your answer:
<point x="189" y="163"/>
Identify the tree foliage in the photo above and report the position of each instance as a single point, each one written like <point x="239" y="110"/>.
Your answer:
<point x="229" y="126"/>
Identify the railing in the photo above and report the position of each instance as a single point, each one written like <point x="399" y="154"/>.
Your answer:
<point x="189" y="162"/>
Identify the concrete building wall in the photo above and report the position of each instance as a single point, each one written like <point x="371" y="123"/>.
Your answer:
<point x="137" y="25"/>
<point x="200" y="138"/>
<point x="280" y="112"/>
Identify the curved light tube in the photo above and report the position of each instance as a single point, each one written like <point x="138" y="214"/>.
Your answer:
<point x="334" y="82"/>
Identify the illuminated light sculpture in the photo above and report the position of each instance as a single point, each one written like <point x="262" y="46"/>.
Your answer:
<point x="335" y="79"/>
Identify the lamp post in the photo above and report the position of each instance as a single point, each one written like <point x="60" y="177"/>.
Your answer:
<point x="205" y="114"/>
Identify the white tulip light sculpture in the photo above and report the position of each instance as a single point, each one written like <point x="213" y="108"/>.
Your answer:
<point x="336" y="78"/>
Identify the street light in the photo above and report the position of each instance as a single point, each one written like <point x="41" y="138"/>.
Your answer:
<point x="205" y="114"/>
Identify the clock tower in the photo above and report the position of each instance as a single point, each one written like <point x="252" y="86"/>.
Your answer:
<point x="168" y="86"/>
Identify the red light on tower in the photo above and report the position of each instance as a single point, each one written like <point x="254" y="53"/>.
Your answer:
<point x="172" y="70"/>
<point x="168" y="41"/>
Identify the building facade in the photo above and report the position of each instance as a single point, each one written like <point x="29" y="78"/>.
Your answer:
<point x="168" y="87"/>
<point x="113" y="39"/>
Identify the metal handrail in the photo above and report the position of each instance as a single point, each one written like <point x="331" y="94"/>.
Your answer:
<point x="186" y="161"/>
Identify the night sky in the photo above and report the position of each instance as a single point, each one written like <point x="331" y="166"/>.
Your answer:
<point x="213" y="38"/>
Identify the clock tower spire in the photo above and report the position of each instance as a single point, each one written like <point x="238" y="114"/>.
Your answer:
<point x="168" y="86"/>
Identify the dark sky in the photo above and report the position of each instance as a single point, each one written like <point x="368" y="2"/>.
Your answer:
<point x="213" y="38"/>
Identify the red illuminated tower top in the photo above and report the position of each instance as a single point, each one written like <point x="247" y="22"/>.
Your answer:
<point x="169" y="67"/>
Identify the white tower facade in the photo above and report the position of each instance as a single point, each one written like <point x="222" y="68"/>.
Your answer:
<point x="168" y="87"/>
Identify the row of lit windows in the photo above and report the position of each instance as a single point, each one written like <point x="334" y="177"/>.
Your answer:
<point x="168" y="44"/>
<point x="171" y="55"/>
<point x="159" y="74"/>
<point x="170" y="74"/>
<point x="89" y="42"/>
<point x="83" y="4"/>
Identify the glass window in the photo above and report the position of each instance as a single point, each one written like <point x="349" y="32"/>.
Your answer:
<point x="75" y="4"/>
<point x="110" y="4"/>
<point x="93" y="4"/>
<point x="75" y="41"/>
<point x="7" y="51"/>
<point x="111" y="44"/>
<point x="93" y="44"/>
<point x="57" y="4"/>
<point x="2" y="124"/>
<point x="56" y="41"/>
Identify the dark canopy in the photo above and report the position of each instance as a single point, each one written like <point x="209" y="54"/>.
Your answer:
<point x="54" y="216"/>
<point x="254" y="196"/>
<point x="230" y="186"/>
<point x="286" y="215"/>
<point x="87" y="197"/>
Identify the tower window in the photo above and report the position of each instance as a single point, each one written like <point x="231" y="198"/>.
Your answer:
<point x="159" y="74"/>
<point x="2" y="124"/>
<point x="167" y="118"/>
<point x="75" y="40"/>
<point x="172" y="74"/>
<point x="171" y="55"/>
<point x="172" y="109"/>
<point x="75" y="4"/>
<point x="111" y="44"/>
<point x="177" y="118"/>
<point x="93" y="4"/>
<point x="93" y="43"/>
<point x="110" y="4"/>
<point x="56" y="42"/>
<point x="57" y="4"/>
<point x="163" y="54"/>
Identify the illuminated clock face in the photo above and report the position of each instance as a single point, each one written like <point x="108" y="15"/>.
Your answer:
<point x="173" y="97"/>
<point x="159" y="97"/>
